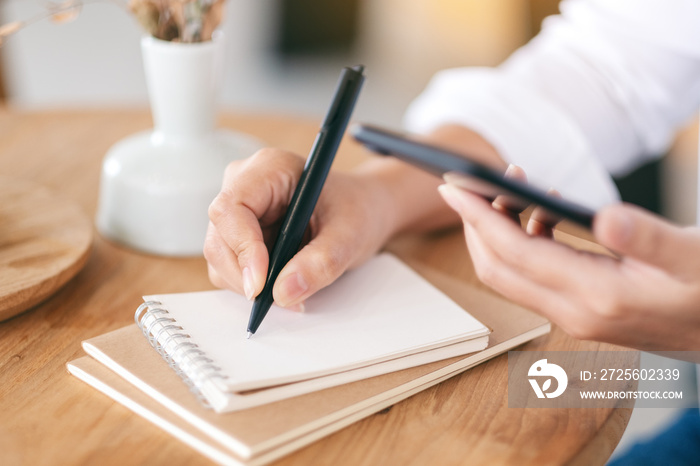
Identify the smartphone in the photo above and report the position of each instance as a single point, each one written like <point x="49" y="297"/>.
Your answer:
<point x="469" y="174"/>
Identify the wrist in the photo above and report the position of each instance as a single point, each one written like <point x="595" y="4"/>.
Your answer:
<point x="393" y="186"/>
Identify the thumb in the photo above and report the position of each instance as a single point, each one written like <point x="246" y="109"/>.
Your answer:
<point x="318" y="264"/>
<point x="634" y="232"/>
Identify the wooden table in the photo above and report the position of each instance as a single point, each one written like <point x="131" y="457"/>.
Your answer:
<point x="49" y="417"/>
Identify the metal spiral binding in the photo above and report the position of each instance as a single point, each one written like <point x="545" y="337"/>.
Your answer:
<point x="194" y="367"/>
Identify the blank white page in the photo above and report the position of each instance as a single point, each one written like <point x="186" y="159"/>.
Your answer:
<point x="379" y="311"/>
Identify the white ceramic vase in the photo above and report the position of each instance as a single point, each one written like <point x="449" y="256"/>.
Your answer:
<point x="156" y="186"/>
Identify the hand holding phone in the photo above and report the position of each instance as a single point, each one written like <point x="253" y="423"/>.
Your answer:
<point x="469" y="174"/>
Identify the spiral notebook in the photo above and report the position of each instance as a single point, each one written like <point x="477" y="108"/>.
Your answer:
<point x="262" y="434"/>
<point x="380" y="318"/>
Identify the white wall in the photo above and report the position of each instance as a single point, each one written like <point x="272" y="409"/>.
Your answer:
<point x="95" y="61"/>
<point x="90" y="61"/>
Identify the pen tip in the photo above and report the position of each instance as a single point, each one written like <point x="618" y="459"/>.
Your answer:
<point x="250" y="334"/>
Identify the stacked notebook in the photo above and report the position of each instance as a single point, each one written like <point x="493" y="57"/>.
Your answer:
<point x="378" y="335"/>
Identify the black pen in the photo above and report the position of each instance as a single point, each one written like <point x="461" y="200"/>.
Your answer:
<point x="309" y="188"/>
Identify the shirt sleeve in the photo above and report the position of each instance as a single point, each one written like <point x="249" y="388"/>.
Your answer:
<point x="600" y="90"/>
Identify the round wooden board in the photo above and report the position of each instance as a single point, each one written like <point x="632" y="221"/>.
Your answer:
<point x="44" y="242"/>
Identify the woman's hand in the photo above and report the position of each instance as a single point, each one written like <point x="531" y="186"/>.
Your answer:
<point x="648" y="298"/>
<point x="352" y="220"/>
<point x="355" y="216"/>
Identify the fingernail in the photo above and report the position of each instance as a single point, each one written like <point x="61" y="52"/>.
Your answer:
<point x="510" y="171"/>
<point x="292" y="288"/>
<point x="298" y="307"/>
<point x="451" y="195"/>
<point x="248" y="286"/>
<point x="553" y="192"/>
<point x="623" y="226"/>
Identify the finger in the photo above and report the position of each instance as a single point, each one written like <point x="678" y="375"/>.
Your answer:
<point x="580" y="306"/>
<point x="556" y="306"/>
<point x="542" y="221"/>
<point x="215" y="278"/>
<point x="264" y="182"/>
<point x="223" y="269"/>
<point x="636" y="233"/>
<point x="255" y="191"/>
<point x="222" y="263"/>
<point x="240" y="234"/>
<point x="539" y="259"/>
<point x="467" y="204"/>
<point x="580" y="291"/>
<point x="511" y="205"/>
<point x="318" y="264"/>
<point x="492" y="271"/>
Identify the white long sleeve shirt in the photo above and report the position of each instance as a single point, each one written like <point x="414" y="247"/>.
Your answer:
<point x="601" y="89"/>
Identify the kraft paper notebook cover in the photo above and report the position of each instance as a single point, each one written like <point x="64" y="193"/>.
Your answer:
<point x="264" y="433"/>
<point x="101" y="349"/>
<point x="109" y="383"/>
<point x="379" y="318"/>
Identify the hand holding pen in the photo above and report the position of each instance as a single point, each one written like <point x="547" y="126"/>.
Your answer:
<point x="357" y="213"/>
<point x="349" y="226"/>
<point x="308" y="190"/>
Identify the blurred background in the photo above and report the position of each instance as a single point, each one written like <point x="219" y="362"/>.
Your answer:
<point x="284" y="56"/>
<point x="281" y="54"/>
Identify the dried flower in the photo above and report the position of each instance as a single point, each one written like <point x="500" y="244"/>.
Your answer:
<point x="64" y="12"/>
<point x="146" y="14"/>
<point x="172" y="20"/>
<point x="181" y="20"/>
<point x="8" y="29"/>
